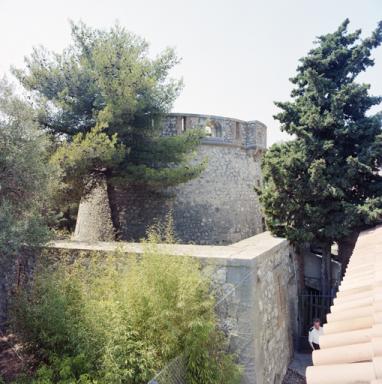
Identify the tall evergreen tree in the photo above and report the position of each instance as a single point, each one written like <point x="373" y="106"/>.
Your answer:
<point x="327" y="181"/>
<point x="103" y="99"/>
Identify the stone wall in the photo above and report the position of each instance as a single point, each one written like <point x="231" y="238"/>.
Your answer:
<point x="94" y="218"/>
<point x="13" y="273"/>
<point x="218" y="129"/>
<point x="255" y="283"/>
<point x="276" y="312"/>
<point x="218" y="207"/>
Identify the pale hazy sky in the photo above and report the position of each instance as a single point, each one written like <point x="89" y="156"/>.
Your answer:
<point x="237" y="55"/>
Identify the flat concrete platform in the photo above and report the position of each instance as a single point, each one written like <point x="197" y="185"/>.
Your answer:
<point x="245" y="250"/>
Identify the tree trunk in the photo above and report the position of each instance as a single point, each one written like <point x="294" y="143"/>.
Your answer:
<point x="345" y="249"/>
<point x="94" y="218"/>
<point x="299" y="251"/>
<point x="326" y="270"/>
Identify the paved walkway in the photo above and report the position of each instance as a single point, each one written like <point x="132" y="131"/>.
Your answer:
<point x="297" y="368"/>
<point x="300" y="362"/>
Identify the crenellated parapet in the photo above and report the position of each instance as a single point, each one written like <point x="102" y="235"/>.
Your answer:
<point x="219" y="130"/>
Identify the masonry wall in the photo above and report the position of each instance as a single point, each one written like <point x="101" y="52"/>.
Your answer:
<point x="276" y="310"/>
<point x="260" y="314"/>
<point x="13" y="273"/>
<point x="219" y="207"/>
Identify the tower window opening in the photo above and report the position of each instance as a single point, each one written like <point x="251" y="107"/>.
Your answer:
<point x="183" y="127"/>
<point x="213" y="129"/>
<point x="218" y="130"/>
<point x="237" y="130"/>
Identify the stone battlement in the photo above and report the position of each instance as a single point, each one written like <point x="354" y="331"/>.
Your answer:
<point x="220" y="130"/>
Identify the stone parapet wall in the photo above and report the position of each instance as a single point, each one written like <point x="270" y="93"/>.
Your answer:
<point x="219" y="130"/>
<point x="276" y="312"/>
<point x="256" y="292"/>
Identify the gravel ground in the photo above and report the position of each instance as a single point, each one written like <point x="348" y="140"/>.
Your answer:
<point x="293" y="377"/>
<point x="297" y="368"/>
<point x="12" y="361"/>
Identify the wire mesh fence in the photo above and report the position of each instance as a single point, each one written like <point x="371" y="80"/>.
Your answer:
<point x="172" y="373"/>
<point x="175" y="371"/>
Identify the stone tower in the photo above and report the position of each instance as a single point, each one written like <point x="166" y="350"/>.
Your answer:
<point x="218" y="207"/>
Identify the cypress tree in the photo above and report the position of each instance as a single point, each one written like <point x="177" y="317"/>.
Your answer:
<point x="326" y="182"/>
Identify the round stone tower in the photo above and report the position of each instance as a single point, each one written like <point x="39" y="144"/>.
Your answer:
<point x="219" y="207"/>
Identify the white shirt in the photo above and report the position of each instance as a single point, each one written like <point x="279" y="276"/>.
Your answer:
<point x="314" y="335"/>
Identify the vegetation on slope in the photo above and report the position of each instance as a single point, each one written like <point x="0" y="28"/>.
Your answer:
<point x="26" y="179"/>
<point x="121" y="319"/>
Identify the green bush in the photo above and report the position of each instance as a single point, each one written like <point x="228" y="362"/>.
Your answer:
<point x="26" y="181"/>
<point x="119" y="319"/>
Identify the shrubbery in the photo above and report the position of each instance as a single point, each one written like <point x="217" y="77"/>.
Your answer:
<point x="120" y="319"/>
<point x="26" y="181"/>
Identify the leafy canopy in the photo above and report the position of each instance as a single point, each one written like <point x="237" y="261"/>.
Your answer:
<point x="26" y="181"/>
<point x="104" y="96"/>
<point x="326" y="181"/>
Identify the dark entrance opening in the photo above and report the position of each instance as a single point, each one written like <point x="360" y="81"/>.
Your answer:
<point x="311" y="305"/>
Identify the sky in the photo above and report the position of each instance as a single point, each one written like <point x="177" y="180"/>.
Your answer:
<point x="237" y="55"/>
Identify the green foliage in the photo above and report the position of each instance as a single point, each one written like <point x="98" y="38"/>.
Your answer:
<point x="104" y="77"/>
<point x="205" y="363"/>
<point x="120" y="319"/>
<point x="104" y="97"/>
<point x="326" y="182"/>
<point x="166" y="162"/>
<point x="26" y="182"/>
<point x="94" y="150"/>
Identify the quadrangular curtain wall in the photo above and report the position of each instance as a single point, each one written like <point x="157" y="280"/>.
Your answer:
<point x="351" y="347"/>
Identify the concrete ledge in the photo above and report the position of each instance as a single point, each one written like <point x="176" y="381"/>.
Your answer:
<point x="242" y="253"/>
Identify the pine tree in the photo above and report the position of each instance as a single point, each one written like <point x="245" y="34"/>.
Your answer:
<point x="103" y="99"/>
<point x="327" y="182"/>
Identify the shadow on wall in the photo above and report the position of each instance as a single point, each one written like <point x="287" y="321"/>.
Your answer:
<point x="138" y="209"/>
<point x="201" y="223"/>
